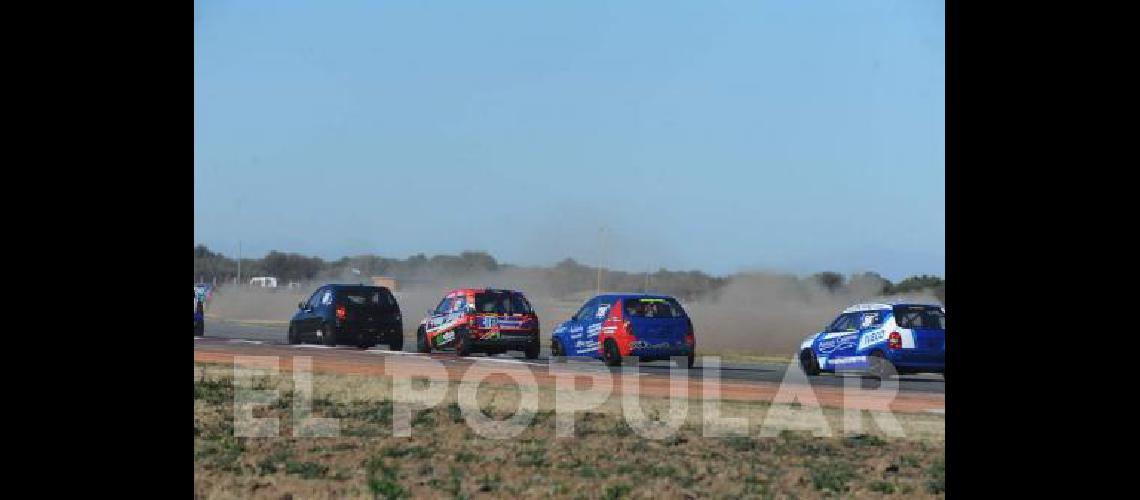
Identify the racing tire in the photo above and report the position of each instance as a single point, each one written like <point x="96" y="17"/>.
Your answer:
<point x="200" y="329"/>
<point x="396" y="343"/>
<point x="808" y="362"/>
<point x="462" y="343"/>
<point x="881" y="368"/>
<point x="556" y="348"/>
<point x="293" y="340"/>
<point x="611" y="354"/>
<point x="692" y="360"/>
<point x="531" y="351"/>
<point x="422" y="345"/>
<point x="328" y="336"/>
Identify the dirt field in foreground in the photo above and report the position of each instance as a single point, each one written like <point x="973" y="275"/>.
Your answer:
<point x="444" y="458"/>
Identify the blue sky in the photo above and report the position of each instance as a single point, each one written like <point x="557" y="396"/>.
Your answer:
<point x="712" y="135"/>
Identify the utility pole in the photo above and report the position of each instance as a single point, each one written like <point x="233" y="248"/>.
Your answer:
<point x="601" y="257"/>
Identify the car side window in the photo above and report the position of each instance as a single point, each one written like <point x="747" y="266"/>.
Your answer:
<point x="444" y="306"/>
<point x="315" y="300"/>
<point x="586" y="310"/>
<point x="853" y="320"/>
<point x="834" y="326"/>
<point x="844" y="323"/>
<point x="326" y="298"/>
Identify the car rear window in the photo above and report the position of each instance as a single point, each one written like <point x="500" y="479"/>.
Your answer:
<point x="920" y="317"/>
<point x="501" y="303"/>
<point x="653" y="308"/>
<point x="366" y="296"/>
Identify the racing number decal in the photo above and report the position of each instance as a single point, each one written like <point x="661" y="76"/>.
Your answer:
<point x="602" y="309"/>
<point x="872" y="337"/>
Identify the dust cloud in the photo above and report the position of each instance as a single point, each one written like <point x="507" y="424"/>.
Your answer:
<point x="770" y="314"/>
<point x="760" y="313"/>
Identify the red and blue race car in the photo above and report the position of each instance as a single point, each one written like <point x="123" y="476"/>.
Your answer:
<point x="608" y="327"/>
<point x="480" y="320"/>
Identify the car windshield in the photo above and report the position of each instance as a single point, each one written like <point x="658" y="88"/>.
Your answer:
<point x="501" y="303"/>
<point x="653" y="308"/>
<point x="920" y="317"/>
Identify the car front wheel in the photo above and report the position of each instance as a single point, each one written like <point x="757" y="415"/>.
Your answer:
<point x="881" y="367"/>
<point x="422" y="344"/>
<point x="809" y="363"/>
<point x="462" y="343"/>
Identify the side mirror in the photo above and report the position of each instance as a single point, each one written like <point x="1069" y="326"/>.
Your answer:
<point x="300" y="305"/>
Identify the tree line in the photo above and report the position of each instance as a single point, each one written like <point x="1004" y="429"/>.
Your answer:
<point x="564" y="278"/>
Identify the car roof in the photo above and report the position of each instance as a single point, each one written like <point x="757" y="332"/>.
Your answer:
<point x="611" y="296"/>
<point x="885" y="305"/>
<point x="480" y="290"/>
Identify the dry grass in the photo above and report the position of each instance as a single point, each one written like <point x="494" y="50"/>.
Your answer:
<point x="444" y="458"/>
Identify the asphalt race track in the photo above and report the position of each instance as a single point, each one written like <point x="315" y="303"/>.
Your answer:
<point x="218" y="331"/>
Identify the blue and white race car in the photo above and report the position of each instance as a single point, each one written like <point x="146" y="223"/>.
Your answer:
<point x="879" y="339"/>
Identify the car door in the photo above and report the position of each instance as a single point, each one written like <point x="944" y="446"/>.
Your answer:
<point x="316" y="315"/>
<point x="302" y="322"/>
<point x="592" y="323"/>
<point x="439" y="317"/>
<point x="840" y="340"/>
<point x="578" y="342"/>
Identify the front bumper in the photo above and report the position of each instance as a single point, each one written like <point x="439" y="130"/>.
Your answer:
<point x="508" y="340"/>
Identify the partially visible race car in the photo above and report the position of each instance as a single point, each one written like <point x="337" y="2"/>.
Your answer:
<point x="204" y="292"/>
<point x="481" y="320"/>
<point x="879" y="339"/>
<point x="349" y="314"/>
<point x="199" y="317"/>
<point x="607" y="327"/>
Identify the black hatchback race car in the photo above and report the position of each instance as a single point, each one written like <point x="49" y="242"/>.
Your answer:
<point x="359" y="315"/>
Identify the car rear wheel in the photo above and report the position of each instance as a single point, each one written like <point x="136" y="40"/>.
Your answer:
<point x="328" y="336"/>
<point x="556" y="348"/>
<point x="397" y="342"/>
<point x="200" y="330"/>
<point x="611" y="353"/>
<point x="809" y="363"/>
<point x="293" y="340"/>
<point x="532" y="350"/>
<point x="692" y="359"/>
<point x="422" y="345"/>
<point x="462" y="343"/>
<point x="881" y="367"/>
